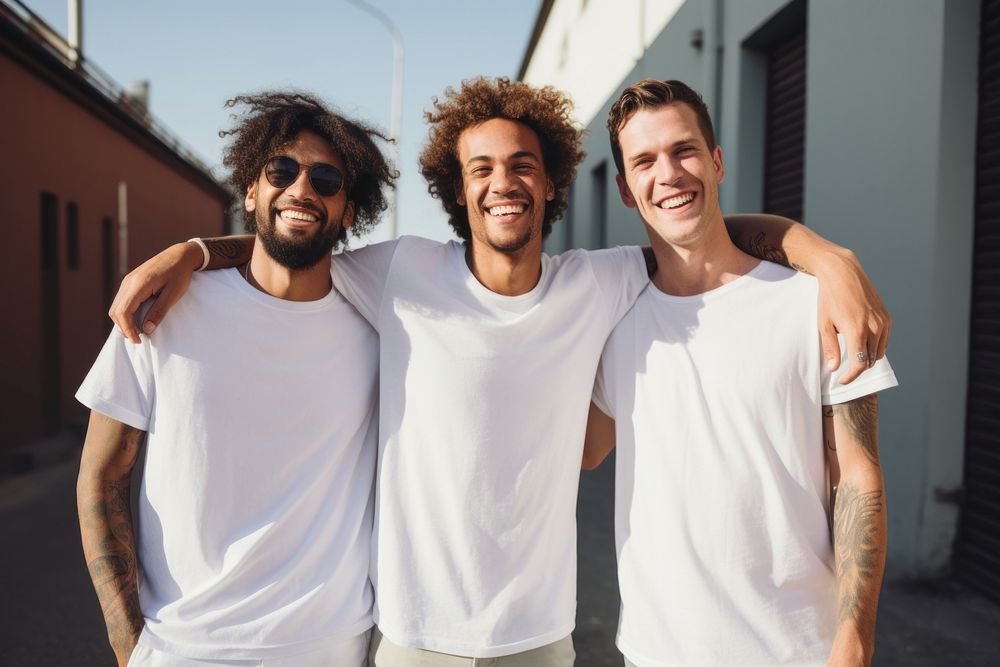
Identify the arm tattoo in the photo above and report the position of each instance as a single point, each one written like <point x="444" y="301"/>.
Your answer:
<point x="650" y="258"/>
<point x="861" y="417"/>
<point x="758" y="246"/>
<point x="227" y="252"/>
<point x="858" y="551"/>
<point x="109" y="537"/>
<point x="829" y="441"/>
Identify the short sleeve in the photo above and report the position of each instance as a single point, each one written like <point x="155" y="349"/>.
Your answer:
<point x="875" y="379"/>
<point x="621" y="276"/>
<point x="120" y="383"/>
<point x="361" y="276"/>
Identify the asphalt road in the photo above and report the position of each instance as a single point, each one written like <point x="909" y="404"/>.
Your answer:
<point x="50" y="615"/>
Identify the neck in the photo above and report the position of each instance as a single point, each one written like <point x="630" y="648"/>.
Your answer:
<point x="279" y="281"/>
<point x="701" y="266"/>
<point x="509" y="274"/>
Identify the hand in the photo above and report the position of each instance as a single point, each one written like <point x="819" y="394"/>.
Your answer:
<point x="849" y="304"/>
<point x="165" y="277"/>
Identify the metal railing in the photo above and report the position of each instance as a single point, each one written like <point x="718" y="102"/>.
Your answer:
<point x="41" y="33"/>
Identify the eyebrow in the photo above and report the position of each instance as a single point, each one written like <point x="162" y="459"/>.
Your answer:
<point x="514" y="156"/>
<point x="685" y="141"/>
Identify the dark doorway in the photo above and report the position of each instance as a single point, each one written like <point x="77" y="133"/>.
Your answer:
<point x="51" y="414"/>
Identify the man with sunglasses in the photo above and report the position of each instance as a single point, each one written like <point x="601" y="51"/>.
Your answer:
<point x="252" y="539"/>
<point x="487" y="359"/>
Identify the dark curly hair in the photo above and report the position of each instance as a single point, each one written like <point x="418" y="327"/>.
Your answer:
<point x="273" y="119"/>
<point x="545" y="110"/>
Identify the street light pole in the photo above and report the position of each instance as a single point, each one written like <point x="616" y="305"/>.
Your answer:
<point x="396" y="109"/>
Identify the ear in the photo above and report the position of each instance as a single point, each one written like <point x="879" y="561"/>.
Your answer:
<point x="250" y="201"/>
<point x="550" y="190"/>
<point x="348" y="218"/>
<point x="624" y="192"/>
<point x="720" y="167"/>
<point x="460" y="193"/>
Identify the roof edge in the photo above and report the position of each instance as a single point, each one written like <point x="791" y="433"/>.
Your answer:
<point x="536" y="34"/>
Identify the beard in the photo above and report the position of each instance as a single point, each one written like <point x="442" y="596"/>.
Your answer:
<point x="297" y="254"/>
<point x="512" y="246"/>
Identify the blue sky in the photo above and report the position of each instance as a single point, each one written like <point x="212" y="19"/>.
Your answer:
<point x="198" y="53"/>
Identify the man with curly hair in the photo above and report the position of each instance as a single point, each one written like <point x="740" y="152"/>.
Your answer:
<point x="255" y="509"/>
<point x="488" y="354"/>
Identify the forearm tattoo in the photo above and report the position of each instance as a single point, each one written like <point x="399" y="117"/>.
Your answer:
<point x="226" y="252"/>
<point x="858" y="543"/>
<point x="861" y="418"/>
<point x="109" y="541"/>
<point x="758" y="246"/>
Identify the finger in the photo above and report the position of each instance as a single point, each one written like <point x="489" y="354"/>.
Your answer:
<point x="831" y="347"/>
<point x="119" y="313"/>
<point x="883" y="340"/>
<point x="164" y="301"/>
<point x="857" y="359"/>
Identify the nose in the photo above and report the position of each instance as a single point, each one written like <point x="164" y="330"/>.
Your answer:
<point x="502" y="181"/>
<point x="301" y="188"/>
<point x="668" y="170"/>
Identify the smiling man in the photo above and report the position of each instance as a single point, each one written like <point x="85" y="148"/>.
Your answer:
<point x="255" y="509"/>
<point x="722" y="405"/>
<point x="487" y="358"/>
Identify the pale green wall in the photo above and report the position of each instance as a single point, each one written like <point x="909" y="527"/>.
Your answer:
<point x="890" y="132"/>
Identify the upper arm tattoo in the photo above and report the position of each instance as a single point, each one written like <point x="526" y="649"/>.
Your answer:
<point x="861" y="417"/>
<point x="758" y="246"/>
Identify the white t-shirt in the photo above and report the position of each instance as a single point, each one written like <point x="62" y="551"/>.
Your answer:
<point x="724" y="554"/>
<point x="255" y="508"/>
<point x="484" y="403"/>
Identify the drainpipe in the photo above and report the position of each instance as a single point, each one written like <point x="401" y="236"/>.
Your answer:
<point x="74" y="10"/>
<point x="711" y="72"/>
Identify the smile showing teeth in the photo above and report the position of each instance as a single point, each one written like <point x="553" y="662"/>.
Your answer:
<point x="506" y="210"/>
<point x="298" y="215"/>
<point x="679" y="200"/>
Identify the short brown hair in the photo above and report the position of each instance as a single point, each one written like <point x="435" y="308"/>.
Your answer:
<point x="650" y="94"/>
<point x="273" y="119"/>
<point x="546" y="111"/>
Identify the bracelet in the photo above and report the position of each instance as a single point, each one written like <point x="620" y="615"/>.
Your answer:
<point x="204" y="250"/>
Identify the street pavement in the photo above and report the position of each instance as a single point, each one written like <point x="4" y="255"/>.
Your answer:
<point x="50" y="615"/>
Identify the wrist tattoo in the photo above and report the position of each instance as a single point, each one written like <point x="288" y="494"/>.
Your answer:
<point x="228" y="249"/>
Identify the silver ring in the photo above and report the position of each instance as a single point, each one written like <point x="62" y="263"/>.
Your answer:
<point x="861" y="357"/>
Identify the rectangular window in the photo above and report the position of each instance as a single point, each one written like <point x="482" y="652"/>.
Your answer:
<point x="50" y="334"/>
<point x="72" y="236"/>
<point x="107" y="262"/>
<point x="599" y="204"/>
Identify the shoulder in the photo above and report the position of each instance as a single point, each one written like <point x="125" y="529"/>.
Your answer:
<point x="778" y="277"/>
<point x="620" y="258"/>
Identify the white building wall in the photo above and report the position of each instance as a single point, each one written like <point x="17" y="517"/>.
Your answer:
<point x="890" y="132"/>
<point x="588" y="46"/>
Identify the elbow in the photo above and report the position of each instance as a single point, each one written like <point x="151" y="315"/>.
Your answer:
<point x="591" y="460"/>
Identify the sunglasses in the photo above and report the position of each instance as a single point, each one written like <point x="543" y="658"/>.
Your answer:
<point x="326" y="180"/>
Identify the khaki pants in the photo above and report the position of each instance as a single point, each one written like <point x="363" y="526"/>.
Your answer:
<point x="383" y="653"/>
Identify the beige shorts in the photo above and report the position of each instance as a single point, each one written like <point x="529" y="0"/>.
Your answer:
<point x="352" y="652"/>
<point x="384" y="653"/>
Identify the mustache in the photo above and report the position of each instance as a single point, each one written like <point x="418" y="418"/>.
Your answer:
<point x="297" y="203"/>
<point x="516" y="198"/>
